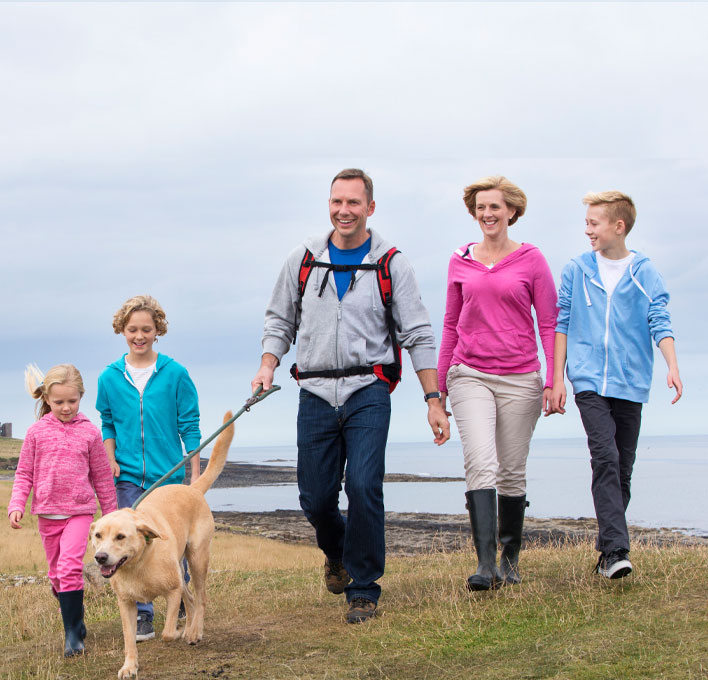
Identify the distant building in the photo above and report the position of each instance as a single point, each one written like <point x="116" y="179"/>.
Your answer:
<point x="6" y="430"/>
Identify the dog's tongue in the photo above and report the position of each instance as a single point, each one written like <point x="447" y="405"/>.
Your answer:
<point x="107" y="571"/>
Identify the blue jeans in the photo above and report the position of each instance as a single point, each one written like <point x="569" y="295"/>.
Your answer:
<point x="328" y="440"/>
<point x="128" y="493"/>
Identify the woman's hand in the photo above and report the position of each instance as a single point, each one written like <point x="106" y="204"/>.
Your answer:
<point x="15" y="517"/>
<point x="443" y="400"/>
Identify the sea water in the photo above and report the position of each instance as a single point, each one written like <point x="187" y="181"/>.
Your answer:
<point x="668" y="484"/>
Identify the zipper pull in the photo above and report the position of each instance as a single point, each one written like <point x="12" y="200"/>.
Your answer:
<point x="339" y="311"/>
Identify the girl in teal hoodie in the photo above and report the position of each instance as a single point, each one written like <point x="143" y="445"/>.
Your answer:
<point x="149" y="409"/>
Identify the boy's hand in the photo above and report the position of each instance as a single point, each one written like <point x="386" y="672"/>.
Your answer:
<point x="558" y="396"/>
<point x="115" y="468"/>
<point x="673" y="380"/>
<point x="15" y="518"/>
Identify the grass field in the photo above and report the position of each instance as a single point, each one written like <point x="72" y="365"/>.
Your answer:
<point x="269" y="616"/>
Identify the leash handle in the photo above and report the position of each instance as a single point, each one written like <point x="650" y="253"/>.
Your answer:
<point x="256" y="397"/>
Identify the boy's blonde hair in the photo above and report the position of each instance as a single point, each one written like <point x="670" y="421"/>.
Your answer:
<point x="618" y="206"/>
<point x="140" y="303"/>
<point x="513" y="196"/>
<point x="38" y="384"/>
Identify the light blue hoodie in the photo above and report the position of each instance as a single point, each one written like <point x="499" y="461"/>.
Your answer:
<point x="148" y="429"/>
<point x="609" y="344"/>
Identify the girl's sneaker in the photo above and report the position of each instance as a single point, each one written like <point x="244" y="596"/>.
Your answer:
<point x="145" y="630"/>
<point x="614" y="565"/>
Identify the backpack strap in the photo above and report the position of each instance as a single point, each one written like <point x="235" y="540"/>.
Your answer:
<point x="389" y="373"/>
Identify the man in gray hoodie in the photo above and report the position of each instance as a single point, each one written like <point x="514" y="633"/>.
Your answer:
<point x="346" y="367"/>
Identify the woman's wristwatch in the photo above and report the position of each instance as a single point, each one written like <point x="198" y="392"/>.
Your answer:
<point x="431" y="395"/>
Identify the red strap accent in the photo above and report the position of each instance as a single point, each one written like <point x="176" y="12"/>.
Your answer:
<point x="305" y="271"/>
<point x="383" y="275"/>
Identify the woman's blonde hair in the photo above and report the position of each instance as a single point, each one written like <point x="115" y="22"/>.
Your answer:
<point x="140" y="303"/>
<point x="513" y="196"/>
<point x="38" y="384"/>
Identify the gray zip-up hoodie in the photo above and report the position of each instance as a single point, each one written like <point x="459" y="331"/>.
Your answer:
<point x="351" y="332"/>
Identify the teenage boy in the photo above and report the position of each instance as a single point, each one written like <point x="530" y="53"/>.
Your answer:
<point x="346" y="360"/>
<point x="612" y="303"/>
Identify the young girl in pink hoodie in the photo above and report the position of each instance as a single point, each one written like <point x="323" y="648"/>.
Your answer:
<point x="63" y="460"/>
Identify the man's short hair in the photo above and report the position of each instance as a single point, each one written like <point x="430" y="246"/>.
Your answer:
<point x="355" y="173"/>
<point x="618" y="206"/>
<point x="513" y="196"/>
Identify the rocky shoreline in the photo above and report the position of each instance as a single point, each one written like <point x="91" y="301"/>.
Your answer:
<point x="406" y="533"/>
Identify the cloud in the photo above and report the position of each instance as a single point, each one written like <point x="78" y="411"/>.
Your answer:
<point x="184" y="149"/>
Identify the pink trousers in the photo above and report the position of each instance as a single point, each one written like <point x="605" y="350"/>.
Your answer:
<point x="64" y="543"/>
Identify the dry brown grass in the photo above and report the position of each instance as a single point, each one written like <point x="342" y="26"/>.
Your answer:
<point x="9" y="447"/>
<point x="269" y="616"/>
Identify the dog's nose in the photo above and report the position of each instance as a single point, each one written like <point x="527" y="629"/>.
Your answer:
<point x="101" y="557"/>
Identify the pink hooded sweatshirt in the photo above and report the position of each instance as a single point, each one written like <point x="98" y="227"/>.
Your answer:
<point x="63" y="463"/>
<point x="488" y="322"/>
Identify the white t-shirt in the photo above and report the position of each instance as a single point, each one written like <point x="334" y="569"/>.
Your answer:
<point x="140" y="376"/>
<point x="611" y="271"/>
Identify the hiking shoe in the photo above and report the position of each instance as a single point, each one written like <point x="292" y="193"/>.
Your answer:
<point x="182" y="613"/>
<point x="614" y="565"/>
<point x="145" y="631"/>
<point x="360" y="610"/>
<point x="336" y="576"/>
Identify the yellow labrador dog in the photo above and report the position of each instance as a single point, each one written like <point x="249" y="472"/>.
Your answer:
<point x="141" y="552"/>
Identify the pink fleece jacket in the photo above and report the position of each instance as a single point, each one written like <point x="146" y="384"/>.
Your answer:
<point x="488" y="321"/>
<point x="63" y="463"/>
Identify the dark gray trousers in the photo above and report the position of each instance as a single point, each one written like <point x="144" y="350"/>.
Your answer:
<point x="612" y="426"/>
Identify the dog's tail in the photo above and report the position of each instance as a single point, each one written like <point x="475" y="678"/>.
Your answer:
<point x="217" y="459"/>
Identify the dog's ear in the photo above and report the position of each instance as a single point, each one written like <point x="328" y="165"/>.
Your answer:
<point x="146" y="530"/>
<point x="91" y="528"/>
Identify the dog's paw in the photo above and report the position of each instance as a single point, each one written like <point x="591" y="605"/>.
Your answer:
<point x="171" y="637"/>
<point x="192" y="638"/>
<point x="129" y="670"/>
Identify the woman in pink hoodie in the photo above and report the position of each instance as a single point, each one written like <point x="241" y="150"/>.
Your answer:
<point x="489" y="368"/>
<point x="63" y="460"/>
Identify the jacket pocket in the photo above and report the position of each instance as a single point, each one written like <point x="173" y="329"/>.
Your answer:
<point x="493" y="347"/>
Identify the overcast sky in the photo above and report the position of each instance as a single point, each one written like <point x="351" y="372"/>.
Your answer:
<point x="184" y="149"/>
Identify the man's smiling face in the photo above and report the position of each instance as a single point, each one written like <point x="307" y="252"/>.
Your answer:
<point x="349" y="208"/>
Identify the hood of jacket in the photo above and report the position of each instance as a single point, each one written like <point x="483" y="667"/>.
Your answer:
<point x="50" y="420"/>
<point x="162" y="360"/>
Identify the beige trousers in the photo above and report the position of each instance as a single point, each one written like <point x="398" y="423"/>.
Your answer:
<point x="495" y="416"/>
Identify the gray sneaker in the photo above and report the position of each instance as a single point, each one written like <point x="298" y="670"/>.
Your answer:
<point x="614" y="565"/>
<point x="145" y="629"/>
<point x="336" y="576"/>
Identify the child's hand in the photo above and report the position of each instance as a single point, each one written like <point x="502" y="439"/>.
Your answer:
<point x="557" y="401"/>
<point x="673" y="380"/>
<point x="15" y="518"/>
<point x="115" y="468"/>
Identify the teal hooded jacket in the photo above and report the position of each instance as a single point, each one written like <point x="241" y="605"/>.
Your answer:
<point x="148" y="428"/>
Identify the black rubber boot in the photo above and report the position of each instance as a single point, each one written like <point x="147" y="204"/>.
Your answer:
<point x="511" y="526"/>
<point x="482" y="506"/>
<point x="72" y="614"/>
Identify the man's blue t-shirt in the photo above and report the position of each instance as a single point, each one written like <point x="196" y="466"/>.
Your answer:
<point x="349" y="256"/>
